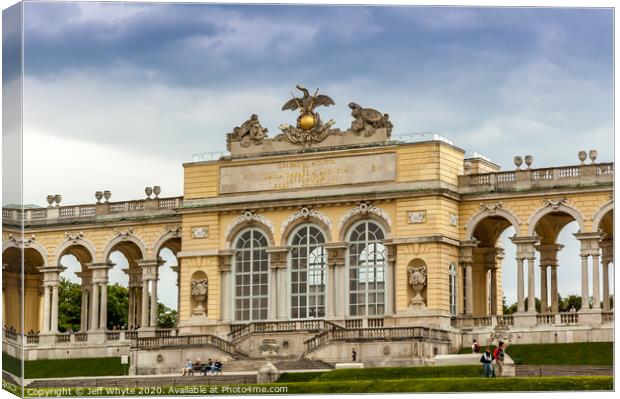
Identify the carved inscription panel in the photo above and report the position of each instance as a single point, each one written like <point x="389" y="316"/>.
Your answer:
<point x="288" y="175"/>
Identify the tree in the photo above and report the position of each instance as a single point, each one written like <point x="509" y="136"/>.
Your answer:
<point x="571" y="301"/>
<point x="118" y="306"/>
<point x="69" y="305"/>
<point x="508" y="309"/>
<point x="166" y="318"/>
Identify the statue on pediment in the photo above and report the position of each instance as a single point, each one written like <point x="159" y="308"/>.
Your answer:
<point x="368" y="120"/>
<point x="250" y="132"/>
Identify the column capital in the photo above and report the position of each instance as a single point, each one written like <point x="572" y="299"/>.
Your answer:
<point x="51" y="274"/>
<point x="225" y="257"/>
<point x="466" y="250"/>
<point x="549" y="254"/>
<point x="150" y="268"/>
<point x="589" y="242"/>
<point x="278" y="256"/>
<point x="336" y="253"/>
<point x="525" y="246"/>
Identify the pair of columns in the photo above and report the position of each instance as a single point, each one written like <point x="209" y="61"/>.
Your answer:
<point x="51" y="285"/>
<point x="549" y="260"/>
<point x="150" y="275"/>
<point x="591" y="245"/>
<point x="491" y="259"/>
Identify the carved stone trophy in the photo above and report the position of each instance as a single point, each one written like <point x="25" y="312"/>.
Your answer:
<point x="417" y="281"/>
<point x="200" y="289"/>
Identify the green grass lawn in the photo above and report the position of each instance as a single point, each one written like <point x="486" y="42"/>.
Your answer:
<point x="376" y="386"/>
<point x="583" y="353"/>
<point x="384" y="373"/>
<point x="58" y="368"/>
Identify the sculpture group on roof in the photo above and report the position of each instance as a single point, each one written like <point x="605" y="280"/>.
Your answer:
<point x="309" y="128"/>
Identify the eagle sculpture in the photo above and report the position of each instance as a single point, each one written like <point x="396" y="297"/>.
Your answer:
<point x="307" y="118"/>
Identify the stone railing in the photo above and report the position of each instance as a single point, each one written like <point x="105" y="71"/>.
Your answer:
<point x="473" y="321"/>
<point x="608" y="317"/>
<point x="239" y="331"/>
<point x="374" y="334"/>
<point x="545" y="318"/>
<point x="505" y="320"/>
<point x="184" y="341"/>
<point x="61" y="214"/>
<point x="525" y="179"/>
<point x="569" y="318"/>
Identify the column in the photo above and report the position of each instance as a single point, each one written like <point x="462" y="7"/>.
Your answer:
<point x="494" y="291"/>
<point x="225" y="298"/>
<point x="47" y="290"/>
<point x="144" y="322"/>
<point x="336" y="252"/>
<point x="54" y="323"/>
<point x="131" y="313"/>
<point x="584" y="282"/>
<point x="138" y="302"/>
<point x="554" y="289"/>
<point x="84" y="312"/>
<point x="389" y="275"/>
<point x="543" y="289"/>
<point x="469" y="288"/>
<point x="103" y="307"/>
<point x="520" y="287"/>
<point x="596" y="283"/>
<point x="272" y="301"/>
<point x="283" y="313"/>
<point x="531" y="288"/>
<point x="606" y="301"/>
<point x="94" y="310"/>
<point x="154" y="311"/>
<point x="330" y="298"/>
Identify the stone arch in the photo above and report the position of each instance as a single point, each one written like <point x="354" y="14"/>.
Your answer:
<point x="86" y="251"/>
<point x="249" y="220"/>
<point x="600" y="213"/>
<point x="471" y="225"/>
<point x="320" y="222"/>
<point x="355" y="215"/>
<point x="554" y="208"/>
<point x="171" y="238"/>
<point x="27" y="243"/>
<point x="123" y="238"/>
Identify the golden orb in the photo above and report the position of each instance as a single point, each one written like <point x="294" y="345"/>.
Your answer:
<point x="306" y="122"/>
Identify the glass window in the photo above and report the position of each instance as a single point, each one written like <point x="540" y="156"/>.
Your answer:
<point x="250" y="276"/>
<point x="366" y="270"/>
<point x="308" y="273"/>
<point x="452" y="282"/>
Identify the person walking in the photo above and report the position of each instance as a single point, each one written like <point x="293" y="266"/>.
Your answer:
<point x="475" y="348"/>
<point x="499" y="355"/>
<point x="353" y="355"/>
<point x="486" y="360"/>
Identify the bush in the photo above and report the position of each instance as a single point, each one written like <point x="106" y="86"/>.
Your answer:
<point x="59" y="368"/>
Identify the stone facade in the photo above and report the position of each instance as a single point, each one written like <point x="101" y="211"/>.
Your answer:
<point x="362" y="206"/>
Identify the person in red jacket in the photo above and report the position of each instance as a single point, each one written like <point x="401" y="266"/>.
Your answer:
<point x="498" y="355"/>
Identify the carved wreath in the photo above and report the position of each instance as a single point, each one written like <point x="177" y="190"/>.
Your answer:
<point x="364" y="209"/>
<point x="305" y="213"/>
<point x="200" y="287"/>
<point x="417" y="276"/>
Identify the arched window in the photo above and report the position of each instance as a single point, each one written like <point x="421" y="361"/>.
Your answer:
<point x="308" y="273"/>
<point x="251" y="276"/>
<point x="366" y="270"/>
<point x="452" y="283"/>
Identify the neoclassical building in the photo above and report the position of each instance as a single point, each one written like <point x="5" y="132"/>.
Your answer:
<point x="316" y="241"/>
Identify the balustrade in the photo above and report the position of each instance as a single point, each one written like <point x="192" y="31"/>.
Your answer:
<point x="569" y="318"/>
<point x="608" y="317"/>
<point x="505" y="320"/>
<point x="545" y="318"/>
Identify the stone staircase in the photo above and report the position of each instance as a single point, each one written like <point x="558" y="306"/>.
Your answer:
<point x="134" y="381"/>
<point x="562" y="370"/>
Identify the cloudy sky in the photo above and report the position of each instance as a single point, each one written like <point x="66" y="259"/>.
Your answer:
<point x="117" y="96"/>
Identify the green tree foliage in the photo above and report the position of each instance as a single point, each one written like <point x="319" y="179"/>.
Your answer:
<point x="167" y="318"/>
<point x="565" y="304"/>
<point x="118" y="306"/>
<point x="69" y="305"/>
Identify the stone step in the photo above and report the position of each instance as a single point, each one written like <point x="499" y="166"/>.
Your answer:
<point x="302" y="364"/>
<point x="561" y="370"/>
<point x="128" y="382"/>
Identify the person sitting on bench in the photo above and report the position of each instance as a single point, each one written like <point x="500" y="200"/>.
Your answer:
<point x="207" y="368"/>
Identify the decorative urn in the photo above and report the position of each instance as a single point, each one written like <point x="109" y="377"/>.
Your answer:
<point x="199" y="293"/>
<point x="57" y="198"/>
<point x="148" y="191"/>
<point x="582" y="156"/>
<point x="518" y="161"/>
<point x="528" y="160"/>
<point x="107" y="194"/>
<point x="593" y="154"/>
<point x="50" y="200"/>
<point x="98" y="196"/>
<point x="157" y="191"/>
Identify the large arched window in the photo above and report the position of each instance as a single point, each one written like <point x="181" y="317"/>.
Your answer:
<point x="452" y="283"/>
<point x="308" y="273"/>
<point x="251" y="276"/>
<point x="366" y="270"/>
